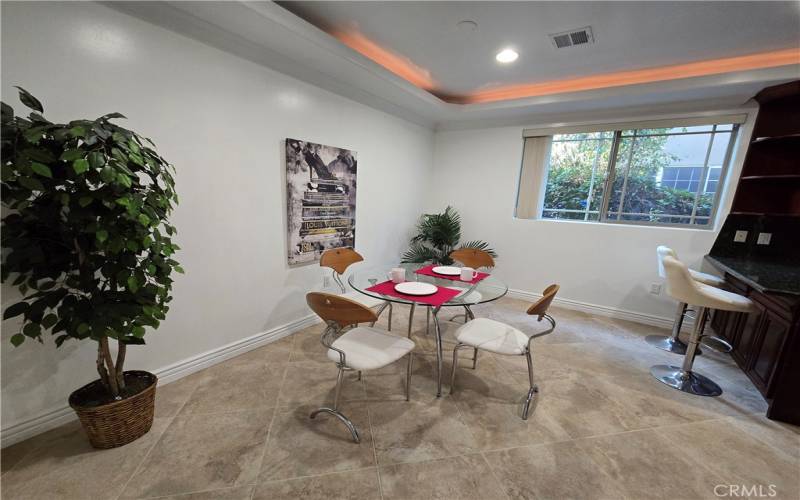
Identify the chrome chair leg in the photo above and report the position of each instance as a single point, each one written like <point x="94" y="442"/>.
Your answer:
<point x="438" y="339"/>
<point x="683" y="378"/>
<point x="409" y="368"/>
<point x="475" y="358"/>
<point x="346" y="421"/>
<point x="390" y="316"/>
<point x="335" y="409"/>
<point x="411" y="318"/>
<point x="359" y="375"/>
<point x="533" y="388"/>
<point x="427" y="321"/>
<point x="455" y="365"/>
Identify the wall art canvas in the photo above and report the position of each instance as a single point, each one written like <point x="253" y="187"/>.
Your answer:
<point x="321" y="199"/>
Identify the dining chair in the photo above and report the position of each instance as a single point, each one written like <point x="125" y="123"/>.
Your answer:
<point x="354" y="347"/>
<point x="338" y="260"/>
<point x="500" y="338"/>
<point x="476" y="259"/>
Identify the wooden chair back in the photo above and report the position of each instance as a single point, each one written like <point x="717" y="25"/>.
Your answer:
<point x="539" y="308"/>
<point x="343" y="311"/>
<point x="472" y="257"/>
<point x="339" y="259"/>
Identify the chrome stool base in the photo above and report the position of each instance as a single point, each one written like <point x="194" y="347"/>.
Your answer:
<point x="691" y="382"/>
<point x="666" y="343"/>
<point x="669" y="344"/>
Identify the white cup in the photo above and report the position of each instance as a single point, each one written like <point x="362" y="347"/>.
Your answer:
<point x="468" y="274"/>
<point x="397" y="275"/>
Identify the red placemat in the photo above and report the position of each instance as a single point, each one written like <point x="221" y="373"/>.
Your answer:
<point x="440" y="297"/>
<point x="428" y="271"/>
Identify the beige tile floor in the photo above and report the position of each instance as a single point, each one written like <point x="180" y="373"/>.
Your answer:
<point x="601" y="428"/>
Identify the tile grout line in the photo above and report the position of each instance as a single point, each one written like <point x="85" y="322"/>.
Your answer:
<point x="172" y="419"/>
<point x="372" y="440"/>
<point x="269" y="428"/>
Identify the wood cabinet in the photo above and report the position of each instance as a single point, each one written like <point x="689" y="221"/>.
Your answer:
<point x="763" y="346"/>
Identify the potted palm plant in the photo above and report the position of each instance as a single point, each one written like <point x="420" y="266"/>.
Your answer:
<point x="87" y="241"/>
<point x="437" y="236"/>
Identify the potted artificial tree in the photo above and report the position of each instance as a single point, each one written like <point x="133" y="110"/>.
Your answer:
<point x="437" y="236"/>
<point x="87" y="241"/>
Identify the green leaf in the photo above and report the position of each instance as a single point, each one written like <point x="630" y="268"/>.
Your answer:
<point x="133" y="284"/>
<point x="28" y="100"/>
<point x="15" y="310"/>
<point x="42" y="170"/>
<point x="85" y="201"/>
<point x="138" y="331"/>
<point x="17" y="339"/>
<point x="71" y="155"/>
<point x="78" y="131"/>
<point x="97" y="159"/>
<point x="101" y="235"/>
<point x="80" y="166"/>
<point x="32" y="330"/>
<point x="64" y="197"/>
<point x="144" y="220"/>
<point x="179" y="269"/>
<point x="49" y="320"/>
<point x="31" y="183"/>
<point x="83" y="328"/>
<point x="124" y="180"/>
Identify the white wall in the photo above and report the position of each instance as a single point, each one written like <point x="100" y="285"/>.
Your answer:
<point x="222" y="122"/>
<point x="608" y="265"/>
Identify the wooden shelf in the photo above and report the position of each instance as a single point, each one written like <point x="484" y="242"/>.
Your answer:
<point x="770" y="177"/>
<point x="789" y="138"/>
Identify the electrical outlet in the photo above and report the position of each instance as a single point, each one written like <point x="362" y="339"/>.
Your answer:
<point x="764" y="238"/>
<point x="655" y="288"/>
<point x="326" y="281"/>
<point x="740" y="236"/>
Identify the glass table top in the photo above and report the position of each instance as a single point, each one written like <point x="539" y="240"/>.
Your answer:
<point x="486" y="290"/>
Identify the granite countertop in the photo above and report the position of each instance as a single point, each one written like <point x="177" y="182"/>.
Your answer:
<point x="762" y="275"/>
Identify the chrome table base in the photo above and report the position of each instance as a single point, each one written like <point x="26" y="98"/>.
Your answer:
<point x="691" y="382"/>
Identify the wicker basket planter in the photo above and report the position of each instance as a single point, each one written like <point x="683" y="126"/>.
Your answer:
<point x="120" y="422"/>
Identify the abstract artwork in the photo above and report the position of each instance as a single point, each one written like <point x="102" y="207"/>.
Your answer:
<point x="320" y="199"/>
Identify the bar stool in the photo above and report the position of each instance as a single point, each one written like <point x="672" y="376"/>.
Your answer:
<point x="682" y="287"/>
<point x="673" y="342"/>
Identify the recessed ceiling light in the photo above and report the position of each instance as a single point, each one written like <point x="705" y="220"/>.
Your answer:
<point x="506" y="56"/>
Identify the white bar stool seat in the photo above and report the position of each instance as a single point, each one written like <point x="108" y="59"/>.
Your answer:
<point x="682" y="287"/>
<point x="673" y="343"/>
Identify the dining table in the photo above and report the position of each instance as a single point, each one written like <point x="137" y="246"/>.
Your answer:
<point x="488" y="289"/>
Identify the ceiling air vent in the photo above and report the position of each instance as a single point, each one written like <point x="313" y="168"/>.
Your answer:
<point x="582" y="36"/>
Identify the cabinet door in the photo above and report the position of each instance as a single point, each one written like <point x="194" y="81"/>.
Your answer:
<point x="746" y="331"/>
<point x="766" y="350"/>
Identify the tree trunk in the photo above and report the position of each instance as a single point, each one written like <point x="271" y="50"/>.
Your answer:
<point x="112" y="379"/>
<point x="122" y="348"/>
<point x="101" y="369"/>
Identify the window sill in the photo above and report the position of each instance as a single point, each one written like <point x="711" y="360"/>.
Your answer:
<point x="631" y="224"/>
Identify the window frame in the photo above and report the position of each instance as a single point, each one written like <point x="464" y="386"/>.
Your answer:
<point x="611" y="168"/>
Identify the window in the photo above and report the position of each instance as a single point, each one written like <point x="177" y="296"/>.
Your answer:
<point x="659" y="173"/>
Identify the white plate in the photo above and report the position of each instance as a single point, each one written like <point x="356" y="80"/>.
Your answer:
<point x="447" y="270"/>
<point x="416" y="288"/>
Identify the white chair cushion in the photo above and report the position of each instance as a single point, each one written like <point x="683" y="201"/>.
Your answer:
<point x="707" y="279"/>
<point x="367" y="348"/>
<point x="493" y="336"/>
<point x="720" y="299"/>
<point x="364" y="300"/>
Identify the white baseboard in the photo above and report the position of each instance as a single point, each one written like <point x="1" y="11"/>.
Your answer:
<point x="63" y="414"/>
<point x="607" y="311"/>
